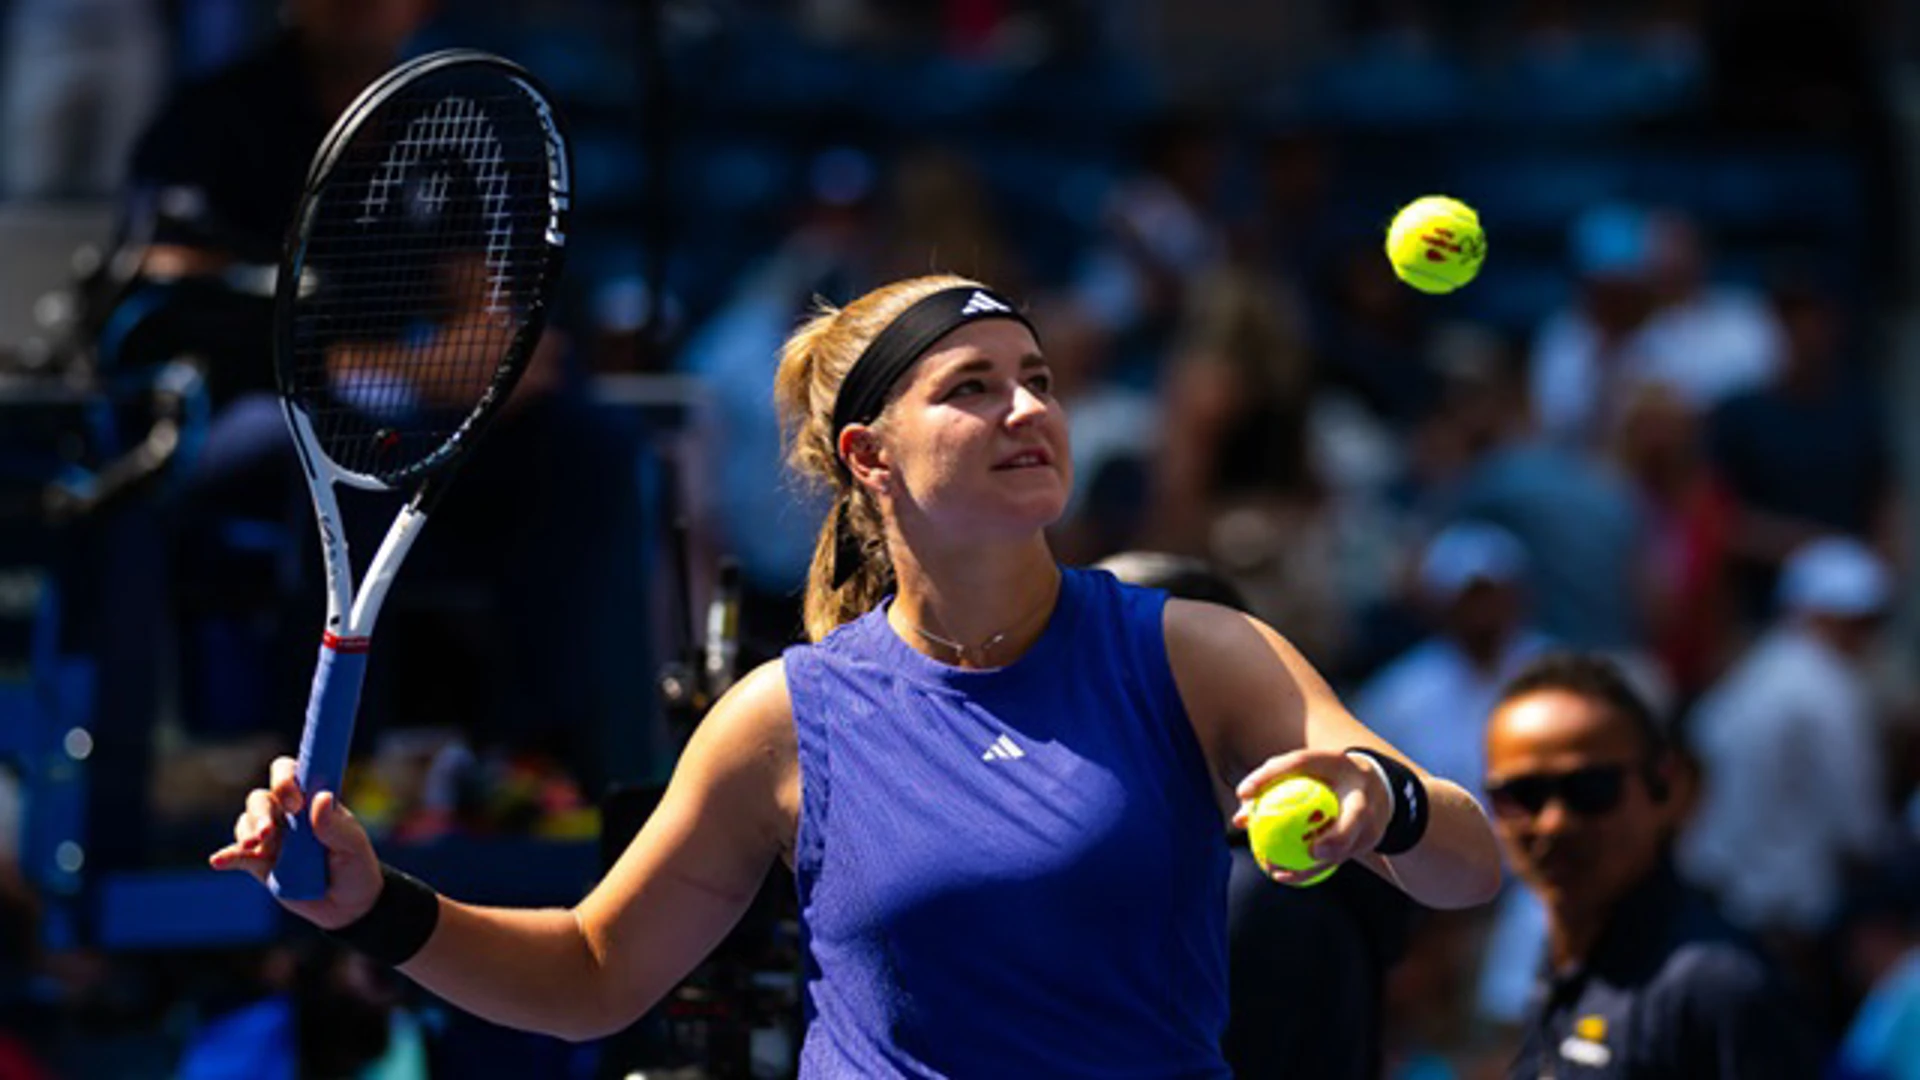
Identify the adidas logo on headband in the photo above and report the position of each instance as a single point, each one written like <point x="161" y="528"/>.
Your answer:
<point x="980" y="303"/>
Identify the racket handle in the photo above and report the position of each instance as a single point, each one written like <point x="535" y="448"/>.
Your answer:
<point x="301" y="872"/>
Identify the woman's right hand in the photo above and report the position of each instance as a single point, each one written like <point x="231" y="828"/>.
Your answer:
<point x="353" y="870"/>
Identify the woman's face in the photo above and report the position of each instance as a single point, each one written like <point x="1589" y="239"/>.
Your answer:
<point x="974" y="441"/>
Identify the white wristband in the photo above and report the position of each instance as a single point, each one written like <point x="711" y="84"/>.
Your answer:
<point x="1379" y="770"/>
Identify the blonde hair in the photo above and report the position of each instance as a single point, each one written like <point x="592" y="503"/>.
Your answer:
<point x="813" y="364"/>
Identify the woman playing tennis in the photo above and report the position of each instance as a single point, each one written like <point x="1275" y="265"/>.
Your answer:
<point x="1001" y="783"/>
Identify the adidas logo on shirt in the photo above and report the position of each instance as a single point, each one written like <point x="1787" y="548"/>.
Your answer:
<point x="1003" y="749"/>
<point x="980" y="303"/>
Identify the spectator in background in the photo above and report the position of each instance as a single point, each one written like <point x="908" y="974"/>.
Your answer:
<point x="1115" y="432"/>
<point x="1643" y="978"/>
<point x="1649" y="314"/>
<point x="754" y="511"/>
<point x="1807" y="454"/>
<point x="1395" y="486"/>
<point x="1706" y="340"/>
<point x="1472" y="412"/>
<point x="1579" y="520"/>
<point x="1289" y="233"/>
<point x="81" y="76"/>
<point x="1659" y="449"/>
<point x="1581" y="351"/>
<point x="1792" y="750"/>
<point x="1236" y="399"/>
<point x="1159" y="233"/>
<point x="1437" y="696"/>
<point x="1880" y="951"/>
<point x="939" y="218"/>
<point x="1373" y="340"/>
<point x="1234" y="480"/>
<point x="217" y="174"/>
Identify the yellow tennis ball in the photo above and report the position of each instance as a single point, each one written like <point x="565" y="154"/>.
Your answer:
<point x="1283" y="814"/>
<point x="1436" y="244"/>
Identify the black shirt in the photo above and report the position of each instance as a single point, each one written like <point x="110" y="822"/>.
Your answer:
<point x="221" y="168"/>
<point x="1348" y="932"/>
<point x="1671" y="991"/>
<point x="223" y="164"/>
<point x="1820" y="456"/>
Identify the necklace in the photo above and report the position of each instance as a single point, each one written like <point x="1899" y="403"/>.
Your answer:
<point x="959" y="650"/>
<point x="980" y="651"/>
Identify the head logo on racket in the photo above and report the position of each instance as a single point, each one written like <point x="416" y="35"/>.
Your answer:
<point x="413" y="289"/>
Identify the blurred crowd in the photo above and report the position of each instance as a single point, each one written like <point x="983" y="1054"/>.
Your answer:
<point x="1665" y="429"/>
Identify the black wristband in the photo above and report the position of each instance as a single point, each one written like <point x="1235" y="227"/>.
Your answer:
<point x="400" y="921"/>
<point x="1409" y="792"/>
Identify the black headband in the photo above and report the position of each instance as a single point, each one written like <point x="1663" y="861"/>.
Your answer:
<point x="863" y="393"/>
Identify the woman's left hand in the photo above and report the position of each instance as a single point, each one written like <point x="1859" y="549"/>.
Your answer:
<point x="1365" y="805"/>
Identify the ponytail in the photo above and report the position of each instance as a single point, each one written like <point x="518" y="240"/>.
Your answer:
<point x="837" y="593"/>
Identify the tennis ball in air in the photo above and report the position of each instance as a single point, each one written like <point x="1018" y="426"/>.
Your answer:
<point x="1283" y="814"/>
<point x="1436" y="244"/>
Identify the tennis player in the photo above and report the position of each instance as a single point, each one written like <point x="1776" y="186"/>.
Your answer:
<point x="1000" y="783"/>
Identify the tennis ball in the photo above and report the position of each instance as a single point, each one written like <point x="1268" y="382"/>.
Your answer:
<point x="1436" y="244"/>
<point x="1283" y="814"/>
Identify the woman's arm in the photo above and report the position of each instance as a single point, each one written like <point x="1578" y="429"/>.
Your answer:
<point x="678" y="889"/>
<point x="1261" y="711"/>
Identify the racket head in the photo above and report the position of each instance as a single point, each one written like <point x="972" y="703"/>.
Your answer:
<point x="419" y="268"/>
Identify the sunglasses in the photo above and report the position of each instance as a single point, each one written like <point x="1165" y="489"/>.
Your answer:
<point x="1589" y="792"/>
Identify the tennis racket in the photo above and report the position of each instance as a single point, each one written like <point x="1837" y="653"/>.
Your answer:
<point x="412" y="290"/>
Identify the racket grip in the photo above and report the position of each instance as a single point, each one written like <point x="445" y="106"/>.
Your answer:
<point x="301" y="872"/>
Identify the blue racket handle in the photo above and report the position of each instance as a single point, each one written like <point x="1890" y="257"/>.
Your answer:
<point x="301" y="872"/>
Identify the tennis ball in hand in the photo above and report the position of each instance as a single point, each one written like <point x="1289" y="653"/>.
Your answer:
<point x="1436" y="244"/>
<point x="1283" y="814"/>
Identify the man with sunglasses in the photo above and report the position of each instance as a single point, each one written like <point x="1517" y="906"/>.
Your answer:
<point x="1643" y="978"/>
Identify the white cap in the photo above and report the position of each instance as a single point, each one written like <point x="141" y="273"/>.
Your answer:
<point x="1835" y="575"/>
<point x="1468" y="553"/>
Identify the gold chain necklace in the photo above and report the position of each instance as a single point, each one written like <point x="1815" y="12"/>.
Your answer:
<point x="960" y="651"/>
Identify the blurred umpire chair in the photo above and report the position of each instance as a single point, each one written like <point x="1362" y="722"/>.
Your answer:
<point x="82" y="440"/>
<point x="738" y="1013"/>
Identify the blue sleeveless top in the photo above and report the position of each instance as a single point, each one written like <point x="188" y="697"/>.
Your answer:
<point x="1018" y="871"/>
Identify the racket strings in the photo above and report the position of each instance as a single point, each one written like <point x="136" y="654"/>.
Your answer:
<point x="424" y="261"/>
